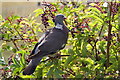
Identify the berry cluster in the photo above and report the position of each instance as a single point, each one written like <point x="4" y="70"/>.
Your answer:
<point x="48" y="9"/>
<point x="115" y="7"/>
<point x="44" y="19"/>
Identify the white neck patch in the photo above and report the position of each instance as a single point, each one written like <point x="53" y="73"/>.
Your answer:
<point x="59" y="26"/>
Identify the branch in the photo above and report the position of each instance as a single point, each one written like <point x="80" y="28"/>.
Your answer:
<point x="34" y="34"/>
<point x="15" y="39"/>
<point x="57" y="56"/>
<point x="109" y="35"/>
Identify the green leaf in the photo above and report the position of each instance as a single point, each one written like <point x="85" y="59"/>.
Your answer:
<point x="89" y="60"/>
<point x="79" y="75"/>
<point x="2" y="62"/>
<point x="15" y="71"/>
<point x="57" y="74"/>
<point x="24" y="22"/>
<point x="21" y="51"/>
<point x="22" y="59"/>
<point x="39" y="72"/>
<point x="1" y="17"/>
<point x="70" y="59"/>
<point x="92" y="4"/>
<point x="16" y="62"/>
<point x="15" y="17"/>
<point x="96" y="66"/>
<point x="60" y="71"/>
<point x="27" y="76"/>
<point x="74" y="10"/>
<point x="1" y="52"/>
<point x="83" y="48"/>
<point x="38" y="12"/>
<point x="93" y="17"/>
<point x="70" y="51"/>
<point x="12" y="66"/>
<point x="14" y="50"/>
<point x="49" y="64"/>
<point x="50" y="72"/>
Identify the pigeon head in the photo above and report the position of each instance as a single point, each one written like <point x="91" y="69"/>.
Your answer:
<point x="59" y="19"/>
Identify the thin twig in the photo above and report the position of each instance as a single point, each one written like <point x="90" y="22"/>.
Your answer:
<point x="15" y="39"/>
<point x="101" y="30"/>
<point x="96" y="51"/>
<point x="15" y="45"/>
<point x="69" y="71"/>
<point x="58" y="56"/>
<point x="33" y="32"/>
<point x="18" y="32"/>
<point x="73" y="73"/>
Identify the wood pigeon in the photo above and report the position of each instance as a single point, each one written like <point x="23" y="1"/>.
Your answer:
<point x="52" y="41"/>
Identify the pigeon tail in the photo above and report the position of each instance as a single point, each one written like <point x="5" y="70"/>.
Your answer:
<point x="31" y="66"/>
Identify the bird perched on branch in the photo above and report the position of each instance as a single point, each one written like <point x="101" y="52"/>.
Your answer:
<point x="52" y="41"/>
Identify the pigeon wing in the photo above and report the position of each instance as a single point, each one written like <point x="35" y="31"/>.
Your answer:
<point x="39" y="42"/>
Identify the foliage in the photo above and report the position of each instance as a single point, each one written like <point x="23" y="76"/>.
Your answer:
<point x="92" y="50"/>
